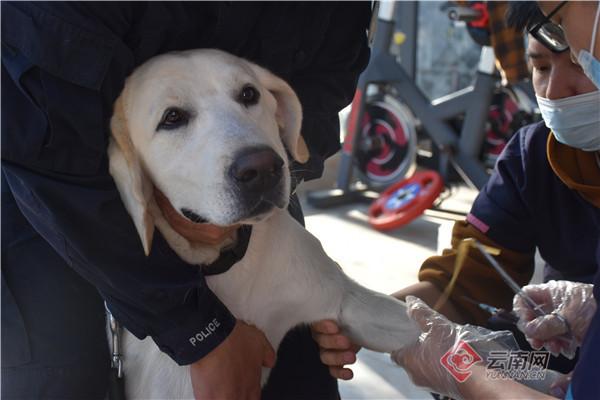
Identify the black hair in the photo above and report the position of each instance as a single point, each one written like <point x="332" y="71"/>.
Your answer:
<point x="523" y="15"/>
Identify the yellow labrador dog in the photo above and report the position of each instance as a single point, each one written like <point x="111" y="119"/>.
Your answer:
<point x="200" y="138"/>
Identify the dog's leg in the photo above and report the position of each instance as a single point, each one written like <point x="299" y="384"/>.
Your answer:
<point x="375" y="320"/>
<point x="371" y="319"/>
<point x="299" y="283"/>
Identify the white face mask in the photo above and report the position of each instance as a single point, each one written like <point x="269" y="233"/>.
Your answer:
<point x="575" y="120"/>
<point x="590" y="64"/>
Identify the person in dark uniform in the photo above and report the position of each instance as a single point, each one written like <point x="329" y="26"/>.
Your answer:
<point x="68" y="243"/>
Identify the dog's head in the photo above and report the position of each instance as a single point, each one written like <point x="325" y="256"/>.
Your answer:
<point x="210" y="131"/>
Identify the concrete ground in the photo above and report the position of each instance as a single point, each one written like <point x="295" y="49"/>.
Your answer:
<point x="384" y="262"/>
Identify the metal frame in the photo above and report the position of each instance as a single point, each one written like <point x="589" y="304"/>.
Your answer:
<point x="461" y="149"/>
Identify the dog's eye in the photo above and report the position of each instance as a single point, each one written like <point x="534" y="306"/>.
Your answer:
<point x="173" y="118"/>
<point x="249" y="95"/>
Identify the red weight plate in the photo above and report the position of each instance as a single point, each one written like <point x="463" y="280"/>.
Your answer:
<point x="406" y="200"/>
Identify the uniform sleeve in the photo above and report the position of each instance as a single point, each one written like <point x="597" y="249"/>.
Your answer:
<point x="328" y="84"/>
<point x="54" y="140"/>
<point x="502" y="209"/>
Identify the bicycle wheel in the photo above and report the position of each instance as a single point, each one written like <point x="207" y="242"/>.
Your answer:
<point x="387" y="147"/>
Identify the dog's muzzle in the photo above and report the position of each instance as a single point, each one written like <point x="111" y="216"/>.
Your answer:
<point x="257" y="174"/>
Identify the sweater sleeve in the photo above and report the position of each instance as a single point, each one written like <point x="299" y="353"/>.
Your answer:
<point x="477" y="279"/>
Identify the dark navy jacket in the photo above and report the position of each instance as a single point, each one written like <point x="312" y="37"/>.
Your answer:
<point x="586" y="383"/>
<point x="525" y="205"/>
<point x="64" y="64"/>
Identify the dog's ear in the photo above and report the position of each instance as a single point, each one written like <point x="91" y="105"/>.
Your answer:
<point x="288" y="114"/>
<point x="127" y="171"/>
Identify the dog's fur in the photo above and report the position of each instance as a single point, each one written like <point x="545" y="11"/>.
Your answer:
<point x="285" y="278"/>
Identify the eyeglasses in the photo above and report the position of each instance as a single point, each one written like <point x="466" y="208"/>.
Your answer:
<point x="550" y="34"/>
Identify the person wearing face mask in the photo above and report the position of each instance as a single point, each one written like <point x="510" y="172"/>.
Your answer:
<point x="542" y="194"/>
<point x="569" y="25"/>
<point x="574" y="121"/>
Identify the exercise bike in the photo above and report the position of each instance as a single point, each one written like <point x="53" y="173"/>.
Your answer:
<point x="390" y="114"/>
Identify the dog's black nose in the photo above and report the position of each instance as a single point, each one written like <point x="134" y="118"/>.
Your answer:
<point x="258" y="170"/>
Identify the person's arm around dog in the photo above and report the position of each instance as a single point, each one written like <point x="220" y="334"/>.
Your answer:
<point x="54" y="165"/>
<point x="233" y="369"/>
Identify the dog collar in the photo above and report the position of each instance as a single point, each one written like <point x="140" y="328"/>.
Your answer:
<point x="232" y="255"/>
<point x="203" y="233"/>
<point x="207" y="234"/>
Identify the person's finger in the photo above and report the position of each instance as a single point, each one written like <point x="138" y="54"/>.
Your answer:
<point x="332" y="342"/>
<point x="404" y="356"/>
<point x="325" y="326"/>
<point x="355" y="348"/>
<point x="337" y="358"/>
<point x="545" y="327"/>
<point x="269" y="356"/>
<point x="344" y="374"/>
<point x="535" y="343"/>
<point x="397" y="357"/>
<point x="559" y="387"/>
<point x="552" y="347"/>
<point x="563" y="345"/>
<point x="420" y="312"/>
<point x="541" y="293"/>
<point x="522" y="309"/>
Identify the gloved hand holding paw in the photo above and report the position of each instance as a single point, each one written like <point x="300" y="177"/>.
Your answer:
<point x="423" y="360"/>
